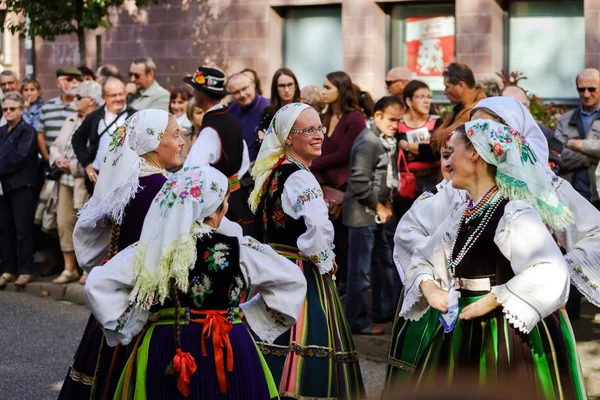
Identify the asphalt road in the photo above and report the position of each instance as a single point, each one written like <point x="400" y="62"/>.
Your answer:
<point x="38" y="337"/>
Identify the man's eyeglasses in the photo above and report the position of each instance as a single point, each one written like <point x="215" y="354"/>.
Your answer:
<point x="135" y="75"/>
<point x="310" y="132"/>
<point x="284" y="86"/>
<point x="589" y="89"/>
<point x="390" y="83"/>
<point x="9" y="83"/>
<point x="79" y="97"/>
<point x="11" y="109"/>
<point x="71" y="78"/>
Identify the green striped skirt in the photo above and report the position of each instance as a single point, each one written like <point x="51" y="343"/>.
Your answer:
<point x="316" y="359"/>
<point x="485" y="352"/>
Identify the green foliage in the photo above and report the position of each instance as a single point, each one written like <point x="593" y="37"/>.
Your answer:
<point x="546" y="114"/>
<point x="51" y="18"/>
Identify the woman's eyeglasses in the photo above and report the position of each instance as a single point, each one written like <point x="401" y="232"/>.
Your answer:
<point x="284" y="86"/>
<point x="79" y="97"/>
<point x="310" y="132"/>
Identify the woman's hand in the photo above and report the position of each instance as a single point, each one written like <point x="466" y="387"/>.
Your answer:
<point x="574" y="144"/>
<point x="334" y="270"/>
<point x="261" y="134"/>
<point x="436" y="297"/>
<point x="480" y="307"/>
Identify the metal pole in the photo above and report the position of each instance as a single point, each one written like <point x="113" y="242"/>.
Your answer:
<point x="29" y="52"/>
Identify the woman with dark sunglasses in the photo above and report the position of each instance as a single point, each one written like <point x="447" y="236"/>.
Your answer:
<point x="18" y="194"/>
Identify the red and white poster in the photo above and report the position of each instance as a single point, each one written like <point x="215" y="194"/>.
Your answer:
<point x="430" y="44"/>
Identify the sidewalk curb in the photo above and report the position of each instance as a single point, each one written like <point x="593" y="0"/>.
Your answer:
<point x="72" y="292"/>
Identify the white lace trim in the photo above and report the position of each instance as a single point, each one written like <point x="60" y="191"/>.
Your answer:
<point x="518" y="313"/>
<point x="414" y="304"/>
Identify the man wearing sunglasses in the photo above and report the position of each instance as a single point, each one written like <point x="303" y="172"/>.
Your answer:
<point x="144" y="92"/>
<point x="396" y="79"/>
<point x="579" y="130"/>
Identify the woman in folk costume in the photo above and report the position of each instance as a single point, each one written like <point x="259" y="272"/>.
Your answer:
<point x="134" y="170"/>
<point x="315" y="359"/>
<point x="494" y="272"/>
<point x="189" y="272"/>
<point x="581" y="240"/>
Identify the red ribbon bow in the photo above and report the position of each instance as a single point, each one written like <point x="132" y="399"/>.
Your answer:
<point x="217" y="325"/>
<point x="185" y="365"/>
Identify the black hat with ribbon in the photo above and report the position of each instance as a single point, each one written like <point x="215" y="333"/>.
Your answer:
<point x="210" y="80"/>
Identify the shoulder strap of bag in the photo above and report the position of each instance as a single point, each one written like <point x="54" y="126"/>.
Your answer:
<point x="112" y="123"/>
<point x="402" y="160"/>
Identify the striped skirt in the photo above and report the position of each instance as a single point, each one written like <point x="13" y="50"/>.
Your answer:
<point x="485" y="352"/>
<point x="144" y="376"/>
<point x="316" y="359"/>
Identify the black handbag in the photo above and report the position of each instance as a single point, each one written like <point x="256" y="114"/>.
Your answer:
<point x="53" y="174"/>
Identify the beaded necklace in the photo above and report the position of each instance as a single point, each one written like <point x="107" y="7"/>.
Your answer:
<point x="473" y="211"/>
<point x="493" y="203"/>
<point x="299" y="164"/>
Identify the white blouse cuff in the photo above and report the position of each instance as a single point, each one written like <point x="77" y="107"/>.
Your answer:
<point x="126" y="327"/>
<point x="519" y="313"/>
<point x="414" y="304"/>
<point x="267" y="323"/>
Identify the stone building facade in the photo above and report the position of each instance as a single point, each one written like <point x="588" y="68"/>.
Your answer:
<point x="234" y="34"/>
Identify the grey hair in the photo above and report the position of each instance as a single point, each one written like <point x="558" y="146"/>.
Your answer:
<point x="9" y="73"/>
<point x="14" y="96"/>
<point x="148" y="62"/>
<point x="91" y="89"/>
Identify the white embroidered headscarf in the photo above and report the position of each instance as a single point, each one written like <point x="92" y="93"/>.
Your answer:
<point x="273" y="147"/>
<point x="118" y="181"/>
<point x="518" y="117"/>
<point x="167" y="246"/>
<point x="520" y="173"/>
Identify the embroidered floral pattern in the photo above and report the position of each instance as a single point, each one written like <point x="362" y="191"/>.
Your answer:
<point x="235" y="291"/>
<point x="276" y="315"/>
<point x="255" y="244"/>
<point x="201" y="287"/>
<point x="579" y="274"/>
<point x="177" y="190"/>
<point x="274" y="183"/>
<point x="122" y="320"/>
<point x="308" y="351"/>
<point x="306" y="196"/>
<point x="321" y="256"/>
<point x="118" y="138"/>
<point x="216" y="257"/>
<point x="279" y="217"/>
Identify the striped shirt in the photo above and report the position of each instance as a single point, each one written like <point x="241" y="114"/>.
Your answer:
<point x="53" y="116"/>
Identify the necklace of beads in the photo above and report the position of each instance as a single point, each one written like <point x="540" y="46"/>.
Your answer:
<point x="494" y="202"/>
<point x="299" y="164"/>
<point x="473" y="211"/>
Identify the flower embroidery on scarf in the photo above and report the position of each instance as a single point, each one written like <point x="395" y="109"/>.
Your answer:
<point x="306" y="196"/>
<point x="321" y="256"/>
<point x="201" y="287"/>
<point x="274" y="183"/>
<point x="235" y="291"/>
<point x="214" y="187"/>
<point x="279" y="216"/>
<point x="118" y="138"/>
<point x="177" y="190"/>
<point x="216" y="257"/>
<point x="276" y="315"/>
<point x="116" y="160"/>
<point x="122" y="320"/>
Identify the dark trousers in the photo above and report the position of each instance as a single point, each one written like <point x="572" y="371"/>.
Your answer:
<point x="17" y="209"/>
<point x="370" y="251"/>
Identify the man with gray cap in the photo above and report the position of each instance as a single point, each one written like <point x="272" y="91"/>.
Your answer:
<point x="58" y="109"/>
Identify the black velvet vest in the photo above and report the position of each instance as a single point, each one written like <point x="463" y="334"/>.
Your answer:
<point x="232" y="144"/>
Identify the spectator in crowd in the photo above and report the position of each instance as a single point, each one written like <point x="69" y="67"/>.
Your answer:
<point x="8" y="83"/>
<point x="58" y="109"/>
<point x="365" y="101"/>
<point x="463" y="93"/>
<point x="311" y="95"/>
<point x="414" y="133"/>
<point x="145" y="92"/>
<point x="106" y="71"/>
<point x="367" y="210"/>
<point x="250" y="73"/>
<point x="31" y="90"/>
<point x="343" y="121"/>
<point x="284" y="90"/>
<point x="195" y="115"/>
<point x="92" y="139"/>
<point x="397" y="78"/>
<point x="579" y="131"/>
<point x="554" y="145"/>
<point x="178" y="105"/>
<point x="18" y="193"/>
<point x="247" y="108"/>
<point x="86" y="74"/>
<point x="72" y="193"/>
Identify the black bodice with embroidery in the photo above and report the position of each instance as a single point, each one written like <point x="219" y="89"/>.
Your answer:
<point x="216" y="281"/>
<point x="484" y="259"/>
<point x="277" y="226"/>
